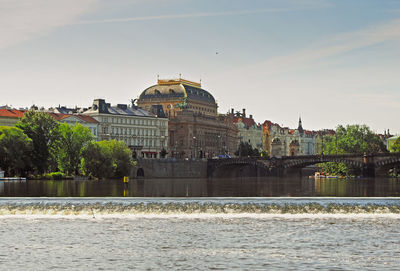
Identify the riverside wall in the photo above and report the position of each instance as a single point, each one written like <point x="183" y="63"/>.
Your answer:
<point x="170" y="168"/>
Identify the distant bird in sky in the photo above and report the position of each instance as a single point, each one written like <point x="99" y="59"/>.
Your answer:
<point x="216" y="53"/>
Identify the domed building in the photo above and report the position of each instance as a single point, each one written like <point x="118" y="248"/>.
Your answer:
<point x="176" y="95"/>
<point x="195" y="129"/>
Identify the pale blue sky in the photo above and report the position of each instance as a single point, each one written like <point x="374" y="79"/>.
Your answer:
<point x="330" y="61"/>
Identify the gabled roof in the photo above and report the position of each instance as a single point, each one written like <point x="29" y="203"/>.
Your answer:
<point x="248" y="122"/>
<point x="11" y="113"/>
<point x="60" y="117"/>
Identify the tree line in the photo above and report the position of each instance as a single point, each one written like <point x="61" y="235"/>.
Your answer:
<point x="350" y="139"/>
<point x="38" y="144"/>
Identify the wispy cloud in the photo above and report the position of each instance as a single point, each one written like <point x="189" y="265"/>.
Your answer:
<point x="183" y="16"/>
<point x="333" y="46"/>
<point x="26" y="19"/>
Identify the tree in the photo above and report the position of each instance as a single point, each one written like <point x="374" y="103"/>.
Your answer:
<point x="42" y="129"/>
<point x="15" y="150"/>
<point x="245" y="149"/>
<point x="396" y="146"/>
<point x="106" y="159"/>
<point x="70" y="145"/>
<point x="96" y="161"/>
<point x="352" y="139"/>
<point x="163" y="153"/>
<point x="121" y="157"/>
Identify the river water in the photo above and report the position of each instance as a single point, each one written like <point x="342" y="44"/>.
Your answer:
<point x="245" y="224"/>
<point x="240" y="187"/>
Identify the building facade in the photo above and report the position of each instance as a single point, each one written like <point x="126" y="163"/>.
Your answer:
<point x="144" y="132"/>
<point x="248" y="130"/>
<point x="195" y="128"/>
<point x="282" y="141"/>
<point x="175" y="95"/>
<point x="86" y="121"/>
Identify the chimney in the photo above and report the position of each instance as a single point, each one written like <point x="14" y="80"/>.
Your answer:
<point x="233" y="111"/>
<point x="122" y="106"/>
<point x="244" y="113"/>
<point x="100" y="105"/>
<point x="251" y="116"/>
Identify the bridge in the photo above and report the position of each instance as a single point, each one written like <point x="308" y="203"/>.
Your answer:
<point x="371" y="165"/>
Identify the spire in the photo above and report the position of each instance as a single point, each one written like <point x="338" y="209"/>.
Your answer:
<point x="300" y="128"/>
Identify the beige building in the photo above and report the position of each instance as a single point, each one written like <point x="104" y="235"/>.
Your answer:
<point x="144" y="132"/>
<point x="72" y="119"/>
<point x="248" y="130"/>
<point x="195" y="129"/>
<point x="175" y="95"/>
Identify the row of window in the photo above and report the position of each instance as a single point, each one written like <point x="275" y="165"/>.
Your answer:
<point x="134" y="121"/>
<point x="145" y="143"/>
<point x="132" y="131"/>
<point x="204" y="109"/>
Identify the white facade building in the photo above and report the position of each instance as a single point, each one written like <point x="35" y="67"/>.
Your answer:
<point x="144" y="132"/>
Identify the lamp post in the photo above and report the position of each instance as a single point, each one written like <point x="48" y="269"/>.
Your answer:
<point x="162" y="145"/>
<point x="194" y="148"/>
<point x="240" y="146"/>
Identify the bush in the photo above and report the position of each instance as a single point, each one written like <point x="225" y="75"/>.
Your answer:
<point x="55" y="176"/>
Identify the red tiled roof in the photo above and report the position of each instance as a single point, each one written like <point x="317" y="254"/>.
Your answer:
<point x="87" y="118"/>
<point x="248" y="122"/>
<point x="59" y="117"/>
<point x="11" y="113"/>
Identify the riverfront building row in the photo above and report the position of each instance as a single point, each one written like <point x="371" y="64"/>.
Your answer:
<point x="179" y="118"/>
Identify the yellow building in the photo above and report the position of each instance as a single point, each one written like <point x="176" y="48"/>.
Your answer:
<point x="176" y="95"/>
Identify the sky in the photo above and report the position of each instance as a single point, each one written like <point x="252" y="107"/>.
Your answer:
<point x="329" y="62"/>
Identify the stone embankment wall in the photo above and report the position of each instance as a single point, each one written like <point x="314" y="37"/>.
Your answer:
<point x="169" y="168"/>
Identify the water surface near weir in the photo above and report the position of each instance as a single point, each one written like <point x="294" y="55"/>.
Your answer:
<point x="198" y="224"/>
<point x="239" y="187"/>
<point x="200" y="234"/>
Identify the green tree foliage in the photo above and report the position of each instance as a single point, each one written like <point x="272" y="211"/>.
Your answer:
<point x="42" y="129"/>
<point x="15" y="150"/>
<point x="245" y="149"/>
<point x="107" y="159"/>
<point x="96" y="161"/>
<point x="121" y="157"/>
<point x="352" y="139"/>
<point x="70" y="144"/>
<point x="396" y="146"/>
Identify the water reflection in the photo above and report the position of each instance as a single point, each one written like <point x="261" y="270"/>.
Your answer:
<point x="240" y="187"/>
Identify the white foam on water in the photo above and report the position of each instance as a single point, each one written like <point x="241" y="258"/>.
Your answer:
<point x="102" y="216"/>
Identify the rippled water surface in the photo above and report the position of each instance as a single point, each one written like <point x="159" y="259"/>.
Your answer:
<point x="200" y="234"/>
<point x="200" y="224"/>
<point x="201" y="243"/>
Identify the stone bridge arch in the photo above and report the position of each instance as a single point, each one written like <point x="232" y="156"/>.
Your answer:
<point x="293" y="165"/>
<point x="383" y="164"/>
<point x="300" y="162"/>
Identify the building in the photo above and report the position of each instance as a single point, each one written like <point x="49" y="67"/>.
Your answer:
<point x="195" y="129"/>
<point x="146" y="133"/>
<point x="85" y="121"/>
<point x="282" y="141"/>
<point x="248" y="130"/>
<point x="175" y="95"/>
<point x="391" y="141"/>
<point x="9" y="117"/>
<point x="192" y="135"/>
